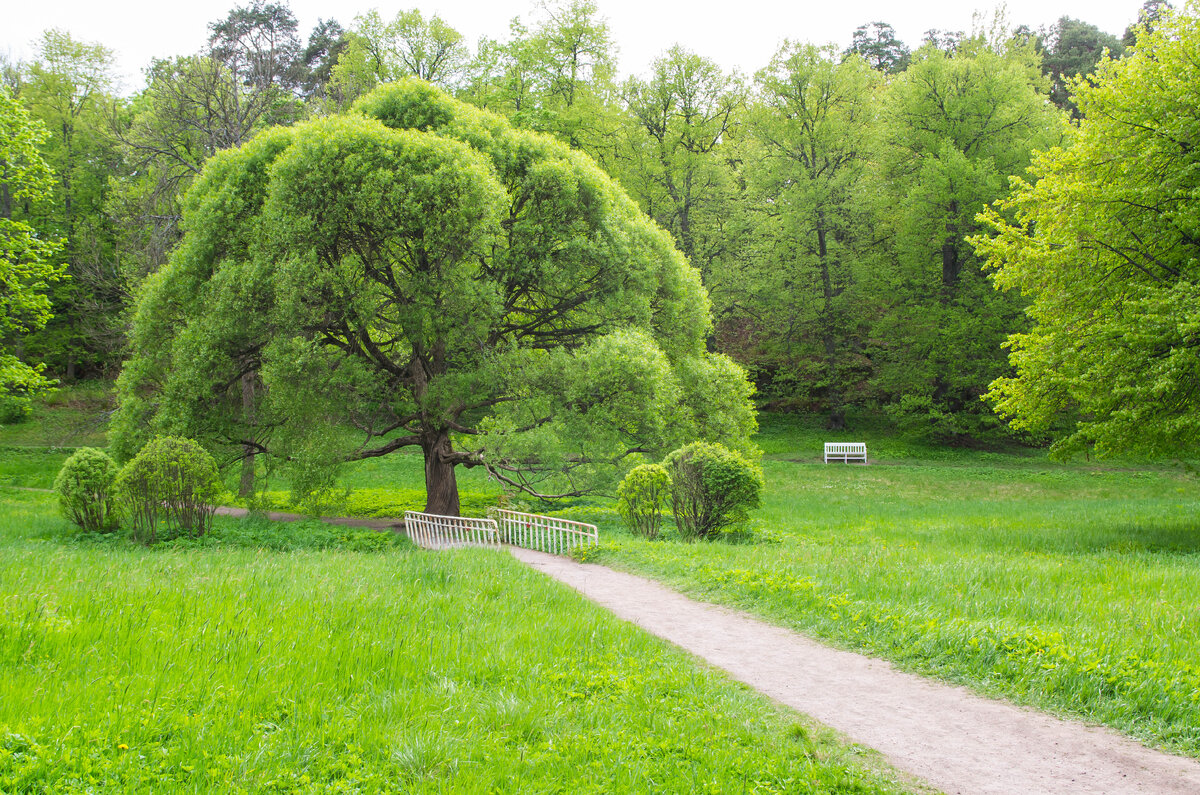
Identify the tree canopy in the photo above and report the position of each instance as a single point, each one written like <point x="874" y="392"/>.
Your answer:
<point x="27" y="259"/>
<point x="424" y="273"/>
<point x="1105" y="244"/>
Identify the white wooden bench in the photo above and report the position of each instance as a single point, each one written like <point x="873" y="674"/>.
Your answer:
<point x="845" y="451"/>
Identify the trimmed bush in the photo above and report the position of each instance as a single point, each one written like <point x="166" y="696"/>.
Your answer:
<point x="641" y="496"/>
<point x="85" y="490"/>
<point x="712" y="489"/>
<point x="173" y="483"/>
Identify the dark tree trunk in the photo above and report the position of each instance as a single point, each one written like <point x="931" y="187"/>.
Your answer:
<point x="5" y="194"/>
<point x="441" y="487"/>
<point x="246" y="486"/>
<point x="950" y="264"/>
<point x="833" y="389"/>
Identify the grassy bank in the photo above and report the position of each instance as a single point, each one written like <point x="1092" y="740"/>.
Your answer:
<point x="236" y="666"/>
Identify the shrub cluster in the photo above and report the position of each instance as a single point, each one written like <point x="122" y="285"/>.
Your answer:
<point x="172" y="482"/>
<point x="14" y="409"/>
<point x="712" y="490"/>
<point x="170" y="486"/>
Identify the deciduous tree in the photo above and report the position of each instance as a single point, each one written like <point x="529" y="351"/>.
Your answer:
<point x="675" y="165"/>
<point x="28" y="260"/>
<point x="1104" y="244"/>
<point x="959" y="125"/>
<point x="430" y="277"/>
<point x="801" y="288"/>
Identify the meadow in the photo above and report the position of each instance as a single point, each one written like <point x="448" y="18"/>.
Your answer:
<point x="325" y="663"/>
<point x="304" y="657"/>
<point x="1069" y="587"/>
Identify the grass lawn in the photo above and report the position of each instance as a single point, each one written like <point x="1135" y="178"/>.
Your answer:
<point x="1072" y="588"/>
<point x="289" y="658"/>
<point x="1068" y="587"/>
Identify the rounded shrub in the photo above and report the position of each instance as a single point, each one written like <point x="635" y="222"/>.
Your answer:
<point x="712" y="489"/>
<point x="641" y="496"/>
<point x="170" y="485"/>
<point x="85" y="490"/>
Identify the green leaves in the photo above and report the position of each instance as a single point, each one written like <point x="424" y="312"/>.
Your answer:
<point x="27" y="259"/>
<point x="85" y="490"/>
<point x="1103" y="245"/>
<point x="712" y="489"/>
<point x="420" y="271"/>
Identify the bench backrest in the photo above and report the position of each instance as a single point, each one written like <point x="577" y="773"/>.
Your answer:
<point x="845" y="447"/>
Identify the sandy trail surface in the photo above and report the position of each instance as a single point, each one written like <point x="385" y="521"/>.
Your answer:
<point x="953" y="739"/>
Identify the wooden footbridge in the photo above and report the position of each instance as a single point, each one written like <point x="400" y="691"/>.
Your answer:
<point x="501" y="527"/>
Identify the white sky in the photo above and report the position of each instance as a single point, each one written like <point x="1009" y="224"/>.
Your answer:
<point x="740" y="34"/>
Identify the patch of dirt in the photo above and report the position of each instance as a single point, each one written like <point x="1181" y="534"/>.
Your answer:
<point x="947" y="736"/>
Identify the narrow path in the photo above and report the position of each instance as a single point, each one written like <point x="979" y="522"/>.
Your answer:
<point x="948" y="736"/>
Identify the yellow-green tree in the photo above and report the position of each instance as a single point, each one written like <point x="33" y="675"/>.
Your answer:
<point x="27" y="259"/>
<point x="1103" y="241"/>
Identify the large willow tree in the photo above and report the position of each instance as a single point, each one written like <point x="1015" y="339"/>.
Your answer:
<point x="419" y="273"/>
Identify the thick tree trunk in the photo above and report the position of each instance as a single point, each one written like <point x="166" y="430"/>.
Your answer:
<point x="246" y="486"/>
<point x="441" y="487"/>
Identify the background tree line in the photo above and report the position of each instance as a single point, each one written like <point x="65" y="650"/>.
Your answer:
<point x="826" y="199"/>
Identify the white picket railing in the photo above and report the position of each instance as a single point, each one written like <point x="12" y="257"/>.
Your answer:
<point x="543" y="533"/>
<point x="431" y="531"/>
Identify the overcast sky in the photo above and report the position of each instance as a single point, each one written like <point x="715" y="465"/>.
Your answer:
<point x="741" y="34"/>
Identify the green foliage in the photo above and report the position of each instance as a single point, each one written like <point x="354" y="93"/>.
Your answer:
<point x="85" y="490"/>
<point x="170" y="482"/>
<point x="14" y="409"/>
<point x="712" y="489"/>
<point x="27" y="256"/>
<point x="641" y="496"/>
<point x="67" y="89"/>
<point x="677" y="165"/>
<point x="797" y="303"/>
<point x="958" y="126"/>
<point x="1102" y="242"/>
<point x="877" y="44"/>
<point x="1073" y="48"/>
<point x="510" y="307"/>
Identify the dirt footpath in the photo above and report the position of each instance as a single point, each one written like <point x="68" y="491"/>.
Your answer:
<point x="951" y="738"/>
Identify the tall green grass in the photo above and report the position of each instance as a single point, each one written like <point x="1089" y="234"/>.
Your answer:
<point x="237" y="667"/>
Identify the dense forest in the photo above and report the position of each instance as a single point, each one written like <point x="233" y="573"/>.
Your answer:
<point x="831" y="201"/>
